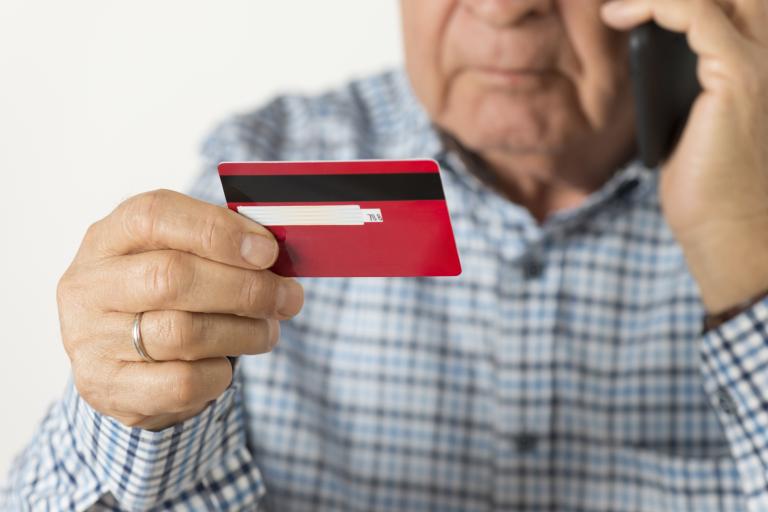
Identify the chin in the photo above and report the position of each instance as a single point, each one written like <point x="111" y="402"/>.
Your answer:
<point x="520" y="123"/>
<point x="509" y="130"/>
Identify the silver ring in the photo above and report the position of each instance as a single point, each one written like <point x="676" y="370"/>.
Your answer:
<point x="136" y="338"/>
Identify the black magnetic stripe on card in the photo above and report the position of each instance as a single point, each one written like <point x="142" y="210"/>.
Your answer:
<point x="332" y="187"/>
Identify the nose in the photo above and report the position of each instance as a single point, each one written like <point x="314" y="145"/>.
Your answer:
<point x="502" y="13"/>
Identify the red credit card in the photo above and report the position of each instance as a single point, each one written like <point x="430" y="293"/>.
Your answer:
<point x="362" y="218"/>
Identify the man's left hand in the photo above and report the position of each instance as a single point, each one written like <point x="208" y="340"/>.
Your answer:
<point x="714" y="187"/>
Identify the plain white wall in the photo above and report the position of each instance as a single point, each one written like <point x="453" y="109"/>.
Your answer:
<point x="102" y="99"/>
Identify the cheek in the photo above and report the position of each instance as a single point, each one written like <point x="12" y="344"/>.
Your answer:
<point x="597" y="62"/>
<point x="424" y="27"/>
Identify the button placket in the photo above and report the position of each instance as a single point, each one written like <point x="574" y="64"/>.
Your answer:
<point x="528" y="316"/>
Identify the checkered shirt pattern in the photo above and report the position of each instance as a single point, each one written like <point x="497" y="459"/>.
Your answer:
<point x="564" y="370"/>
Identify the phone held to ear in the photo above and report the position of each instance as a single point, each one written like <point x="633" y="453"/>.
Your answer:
<point x="663" y="70"/>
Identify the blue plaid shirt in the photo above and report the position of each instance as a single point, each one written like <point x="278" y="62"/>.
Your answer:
<point x="564" y="370"/>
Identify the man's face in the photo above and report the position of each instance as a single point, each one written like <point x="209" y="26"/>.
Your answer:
<point x="518" y="76"/>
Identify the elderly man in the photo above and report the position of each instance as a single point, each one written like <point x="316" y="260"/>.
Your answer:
<point x="566" y="369"/>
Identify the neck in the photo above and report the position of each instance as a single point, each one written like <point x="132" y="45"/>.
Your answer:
<point x="545" y="183"/>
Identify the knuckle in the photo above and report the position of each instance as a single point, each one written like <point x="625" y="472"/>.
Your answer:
<point x="179" y="332"/>
<point x="109" y="390"/>
<point x="259" y="293"/>
<point x="73" y="284"/>
<point x="75" y="292"/>
<point x="70" y="348"/>
<point x="63" y="288"/>
<point x="210" y="227"/>
<point x="185" y="388"/>
<point x="167" y="276"/>
<point x="73" y="348"/>
<point x="92" y="232"/>
<point x="83" y="381"/>
<point x="140" y="214"/>
<point x="74" y="308"/>
<point x="75" y="341"/>
<point x="103" y="387"/>
<point x="91" y="386"/>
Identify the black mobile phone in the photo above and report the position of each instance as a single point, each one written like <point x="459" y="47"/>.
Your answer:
<point x="665" y="84"/>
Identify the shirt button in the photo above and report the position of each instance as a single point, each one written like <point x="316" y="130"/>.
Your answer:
<point x="532" y="267"/>
<point x="525" y="442"/>
<point x="726" y="402"/>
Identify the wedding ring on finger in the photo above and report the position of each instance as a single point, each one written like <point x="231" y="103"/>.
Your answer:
<point x="138" y="344"/>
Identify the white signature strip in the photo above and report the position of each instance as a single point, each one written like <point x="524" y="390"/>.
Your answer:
<point x="320" y="215"/>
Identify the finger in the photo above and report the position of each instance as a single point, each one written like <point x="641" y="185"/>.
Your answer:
<point x="625" y="14"/>
<point x="162" y="280"/>
<point x="168" y="220"/>
<point x="152" y="389"/>
<point x="675" y="15"/>
<point x="712" y="34"/>
<point x="709" y="30"/>
<point x="752" y="18"/>
<point x="185" y="336"/>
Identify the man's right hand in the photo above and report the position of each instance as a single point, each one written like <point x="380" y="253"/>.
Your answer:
<point x="198" y="273"/>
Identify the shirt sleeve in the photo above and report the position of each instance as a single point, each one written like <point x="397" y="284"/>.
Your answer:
<point x="735" y="366"/>
<point x="80" y="459"/>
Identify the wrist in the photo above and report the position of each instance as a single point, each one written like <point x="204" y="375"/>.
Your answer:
<point x="729" y="263"/>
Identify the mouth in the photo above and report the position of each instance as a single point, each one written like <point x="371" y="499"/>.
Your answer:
<point x="516" y="79"/>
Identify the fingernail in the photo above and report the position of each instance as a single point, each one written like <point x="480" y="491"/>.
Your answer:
<point x="258" y="250"/>
<point x="290" y="298"/>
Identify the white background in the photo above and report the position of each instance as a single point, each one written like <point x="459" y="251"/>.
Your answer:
<point x="102" y="99"/>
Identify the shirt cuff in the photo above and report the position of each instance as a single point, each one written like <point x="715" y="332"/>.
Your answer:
<point x="735" y="366"/>
<point x="142" y="468"/>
